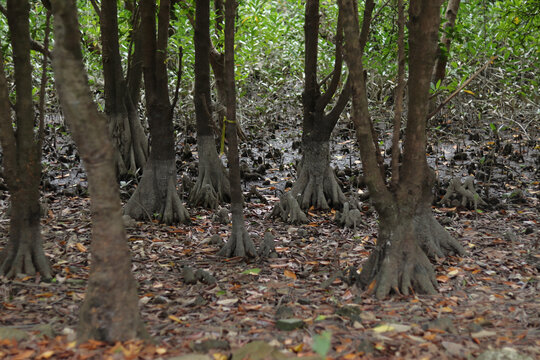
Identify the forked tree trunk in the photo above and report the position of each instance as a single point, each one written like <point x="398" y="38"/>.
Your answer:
<point x="239" y="244"/>
<point x="408" y="233"/>
<point x="110" y="309"/>
<point x="212" y="186"/>
<point x="22" y="155"/>
<point x="156" y="194"/>
<point x="316" y="184"/>
<point x="131" y="143"/>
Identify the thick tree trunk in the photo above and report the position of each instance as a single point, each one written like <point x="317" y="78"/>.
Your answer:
<point x="156" y="193"/>
<point x="407" y="230"/>
<point x="316" y="184"/>
<point x="398" y="263"/>
<point x="110" y="308"/>
<point x="24" y="252"/>
<point x="212" y="187"/>
<point x="131" y="144"/>
<point x="22" y="154"/>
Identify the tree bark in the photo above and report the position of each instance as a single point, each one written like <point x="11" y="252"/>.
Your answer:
<point x="156" y="193"/>
<point x="212" y="186"/>
<point x="317" y="184"/>
<point x="110" y="308"/>
<point x="439" y="69"/>
<point x="22" y="155"/>
<point x="407" y="230"/>
<point x="131" y="143"/>
<point x="239" y="243"/>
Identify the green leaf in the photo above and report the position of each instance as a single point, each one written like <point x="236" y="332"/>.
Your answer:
<point x="322" y="343"/>
<point x="254" y="271"/>
<point x="493" y="127"/>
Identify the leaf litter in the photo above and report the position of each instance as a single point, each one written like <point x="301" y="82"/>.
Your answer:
<point x="488" y="299"/>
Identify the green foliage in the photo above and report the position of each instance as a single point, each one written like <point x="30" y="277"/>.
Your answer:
<point x="509" y="29"/>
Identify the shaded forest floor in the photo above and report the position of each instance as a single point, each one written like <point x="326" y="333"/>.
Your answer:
<point x="488" y="299"/>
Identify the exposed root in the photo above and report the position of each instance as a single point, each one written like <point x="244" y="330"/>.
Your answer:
<point x="268" y="247"/>
<point x="24" y="252"/>
<point x="239" y="244"/>
<point x="25" y="259"/>
<point x="289" y="210"/>
<point x="433" y="237"/>
<point x="317" y="185"/>
<point x="467" y="192"/>
<point x="318" y="188"/>
<point x="398" y="264"/>
<point x="157" y="195"/>
<point x="415" y="272"/>
<point x="212" y="187"/>
<point x="350" y="217"/>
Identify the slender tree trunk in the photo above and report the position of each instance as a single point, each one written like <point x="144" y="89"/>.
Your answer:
<point x="110" y="308"/>
<point x="316" y="184"/>
<point x="131" y="143"/>
<point x="439" y="69"/>
<point x="239" y="243"/>
<point x="156" y="193"/>
<point x="212" y="186"/>
<point x="22" y="155"/>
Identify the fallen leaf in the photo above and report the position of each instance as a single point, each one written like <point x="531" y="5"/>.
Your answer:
<point x="483" y="333"/>
<point x="289" y="274"/>
<point x="174" y="318"/>
<point x="227" y="302"/>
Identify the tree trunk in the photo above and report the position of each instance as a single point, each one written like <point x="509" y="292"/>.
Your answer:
<point x="212" y="186"/>
<point x="433" y="238"/>
<point x="110" y="308"/>
<point x="24" y="252"/>
<point x="156" y="193"/>
<point x="407" y="231"/>
<point x="439" y="69"/>
<point x="316" y="184"/>
<point x="22" y="155"/>
<point x="131" y="143"/>
<point x="397" y="263"/>
<point x="239" y="243"/>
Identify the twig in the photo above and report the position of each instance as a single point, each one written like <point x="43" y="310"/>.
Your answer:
<point x="458" y="90"/>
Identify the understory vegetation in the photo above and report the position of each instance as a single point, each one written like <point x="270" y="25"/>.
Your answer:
<point x="344" y="239"/>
